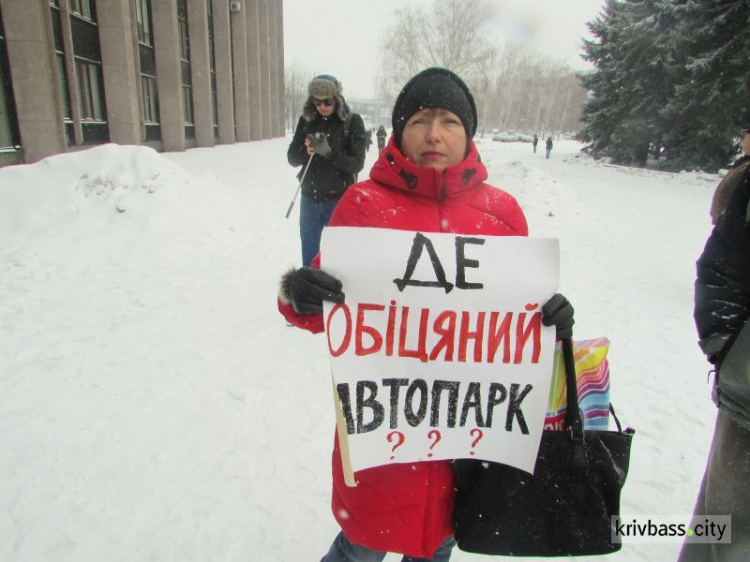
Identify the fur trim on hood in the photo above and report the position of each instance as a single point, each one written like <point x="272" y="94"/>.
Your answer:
<point x="325" y="86"/>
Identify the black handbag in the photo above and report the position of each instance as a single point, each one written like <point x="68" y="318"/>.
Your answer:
<point x="564" y="509"/>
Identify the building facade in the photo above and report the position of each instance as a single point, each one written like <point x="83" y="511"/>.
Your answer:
<point x="170" y="74"/>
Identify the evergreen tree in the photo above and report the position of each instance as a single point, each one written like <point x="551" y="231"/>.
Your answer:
<point x="710" y="104"/>
<point x="647" y="75"/>
<point x="631" y="84"/>
<point x="604" y="109"/>
<point x="671" y="79"/>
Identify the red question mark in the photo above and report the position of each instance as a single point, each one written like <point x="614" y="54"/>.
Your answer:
<point x="479" y="435"/>
<point x="436" y="435"/>
<point x="398" y="435"/>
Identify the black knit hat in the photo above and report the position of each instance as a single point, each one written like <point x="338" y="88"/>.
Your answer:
<point x="435" y="87"/>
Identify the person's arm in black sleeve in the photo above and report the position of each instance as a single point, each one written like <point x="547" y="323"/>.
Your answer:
<point x="352" y="159"/>
<point x="722" y="286"/>
<point x="297" y="153"/>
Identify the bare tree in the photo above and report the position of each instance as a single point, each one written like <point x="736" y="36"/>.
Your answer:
<point x="514" y="85"/>
<point x="454" y="39"/>
<point x="296" y="79"/>
<point x="449" y="36"/>
<point x="532" y="93"/>
<point x="400" y="53"/>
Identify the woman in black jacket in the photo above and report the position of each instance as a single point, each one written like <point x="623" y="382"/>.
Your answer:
<point x="722" y="310"/>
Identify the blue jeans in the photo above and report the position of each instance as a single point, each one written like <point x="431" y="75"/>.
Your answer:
<point x="313" y="216"/>
<point x="344" y="551"/>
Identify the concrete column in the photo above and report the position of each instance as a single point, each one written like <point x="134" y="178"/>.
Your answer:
<point x="223" y="53"/>
<point x="137" y="71"/>
<point x="121" y="80"/>
<point x="253" y="68"/>
<point x="264" y="76"/>
<point x="273" y="64"/>
<point x="241" y="78"/>
<point x="200" y="72"/>
<point x="168" y="74"/>
<point x="281" y="124"/>
<point x="33" y="73"/>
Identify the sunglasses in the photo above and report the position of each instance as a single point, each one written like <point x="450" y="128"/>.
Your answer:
<point x="328" y="102"/>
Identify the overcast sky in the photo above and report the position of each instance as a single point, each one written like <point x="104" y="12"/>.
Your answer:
<point x="341" y="37"/>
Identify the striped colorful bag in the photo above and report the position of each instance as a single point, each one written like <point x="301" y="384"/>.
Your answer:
<point x="592" y="376"/>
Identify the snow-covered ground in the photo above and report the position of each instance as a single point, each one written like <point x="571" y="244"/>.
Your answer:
<point x="154" y="406"/>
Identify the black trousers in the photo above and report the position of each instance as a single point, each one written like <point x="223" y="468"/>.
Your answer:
<point x="725" y="490"/>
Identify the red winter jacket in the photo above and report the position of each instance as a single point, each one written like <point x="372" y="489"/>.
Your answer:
<point x="407" y="508"/>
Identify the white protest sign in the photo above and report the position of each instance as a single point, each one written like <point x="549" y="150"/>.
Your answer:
<point x="439" y="351"/>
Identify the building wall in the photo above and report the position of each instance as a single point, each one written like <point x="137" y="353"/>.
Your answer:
<point x="119" y="69"/>
<point x="224" y="77"/>
<point x="35" y="88"/>
<point x="53" y="118"/>
<point x="199" y="62"/>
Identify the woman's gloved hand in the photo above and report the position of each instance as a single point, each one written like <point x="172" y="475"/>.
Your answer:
<point x="306" y="289"/>
<point x="558" y="312"/>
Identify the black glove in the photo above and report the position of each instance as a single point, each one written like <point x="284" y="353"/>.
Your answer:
<point x="319" y="142"/>
<point x="558" y="312"/>
<point x="306" y="289"/>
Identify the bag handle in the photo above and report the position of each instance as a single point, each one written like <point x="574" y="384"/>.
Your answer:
<point x="614" y="416"/>
<point x="572" y="411"/>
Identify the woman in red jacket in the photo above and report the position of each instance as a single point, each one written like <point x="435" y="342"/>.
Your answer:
<point x="428" y="178"/>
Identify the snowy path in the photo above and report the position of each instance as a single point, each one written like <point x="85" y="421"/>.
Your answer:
<point x="155" y="406"/>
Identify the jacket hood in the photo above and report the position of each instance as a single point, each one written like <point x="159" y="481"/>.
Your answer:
<point x="396" y="171"/>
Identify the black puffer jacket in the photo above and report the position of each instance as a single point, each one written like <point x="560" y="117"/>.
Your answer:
<point x="329" y="177"/>
<point x="722" y="287"/>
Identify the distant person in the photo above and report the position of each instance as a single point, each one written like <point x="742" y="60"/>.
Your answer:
<point x="548" y="144"/>
<point x="381" y="134"/>
<point x="727" y="185"/>
<point x="368" y="139"/>
<point x="722" y="316"/>
<point x="330" y="159"/>
<point x="535" y="141"/>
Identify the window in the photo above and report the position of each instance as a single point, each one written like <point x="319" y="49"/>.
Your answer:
<point x="187" y="82"/>
<point x="143" y="21"/>
<point x="187" y="93"/>
<point x="9" y="136"/>
<point x="150" y="99"/>
<point x="63" y="79"/>
<point x="82" y="8"/>
<point x="62" y="75"/>
<point x="147" y="57"/>
<point x="89" y="82"/>
<point x="212" y="67"/>
<point x="89" y="90"/>
<point x="184" y="42"/>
